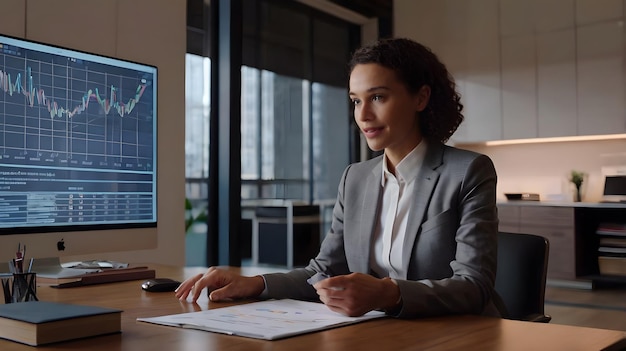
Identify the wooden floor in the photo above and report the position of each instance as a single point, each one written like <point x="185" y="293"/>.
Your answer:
<point x="603" y="307"/>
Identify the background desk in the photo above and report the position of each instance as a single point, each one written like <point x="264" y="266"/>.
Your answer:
<point x="447" y="333"/>
<point x="571" y="229"/>
<point x="287" y="233"/>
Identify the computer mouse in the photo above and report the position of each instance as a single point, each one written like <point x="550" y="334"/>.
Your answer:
<point x="160" y="285"/>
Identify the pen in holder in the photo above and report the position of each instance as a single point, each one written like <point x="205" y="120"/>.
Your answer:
<point x="20" y="287"/>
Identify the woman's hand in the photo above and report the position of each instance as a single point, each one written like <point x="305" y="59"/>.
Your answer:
<point x="222" y="285"/>
<point x="356" y="294"/>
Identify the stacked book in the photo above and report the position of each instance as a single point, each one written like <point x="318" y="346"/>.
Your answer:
<point x="612" y="248"/>
<point x="39" y="322"/>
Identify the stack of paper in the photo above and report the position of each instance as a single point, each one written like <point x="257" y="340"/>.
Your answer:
<point x="270" y="320"/>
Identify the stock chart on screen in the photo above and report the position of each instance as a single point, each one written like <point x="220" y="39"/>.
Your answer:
<point x="77" y="137"/>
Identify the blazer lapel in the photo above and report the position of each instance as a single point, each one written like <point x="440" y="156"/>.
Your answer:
<point x="426" y="180"/>
<point x="369" y="216"/>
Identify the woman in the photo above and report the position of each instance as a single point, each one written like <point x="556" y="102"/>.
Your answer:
<point x="414" y="231"/>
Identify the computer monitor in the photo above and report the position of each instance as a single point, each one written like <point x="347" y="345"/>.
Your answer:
<point x="78" y="151"/>
<point x="614" y="188"/>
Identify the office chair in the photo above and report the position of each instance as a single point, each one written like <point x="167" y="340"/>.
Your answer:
<point x="521" y="275"/>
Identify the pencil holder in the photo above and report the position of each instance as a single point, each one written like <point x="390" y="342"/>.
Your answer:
<point x="20" y="287"/>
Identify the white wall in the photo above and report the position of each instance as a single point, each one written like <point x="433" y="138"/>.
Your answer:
<point x="544" y="168"/>
<point x="147" y="31"/>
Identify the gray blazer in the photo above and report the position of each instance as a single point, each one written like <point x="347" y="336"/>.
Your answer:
<point x="453" y="231"/>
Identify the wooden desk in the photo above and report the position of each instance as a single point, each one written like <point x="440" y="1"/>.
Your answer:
<point x="447" y="333"/>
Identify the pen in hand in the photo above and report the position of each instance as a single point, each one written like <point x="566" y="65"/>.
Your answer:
<point x="318" y="277"/>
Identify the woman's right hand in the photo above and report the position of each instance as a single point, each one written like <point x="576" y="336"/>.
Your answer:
<point x="222" y="284"/>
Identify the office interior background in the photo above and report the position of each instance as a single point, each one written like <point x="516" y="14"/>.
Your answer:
<point x="543" y="88"/>
<point x="528" y="71"/>
<point x="542" y="83"/>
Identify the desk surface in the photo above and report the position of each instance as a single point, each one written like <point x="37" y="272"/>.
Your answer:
<point x="447" y="333"/>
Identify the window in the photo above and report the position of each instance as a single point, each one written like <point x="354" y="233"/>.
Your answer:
<point x="274" y="129"/>
<point x="295" y="113"/>
<point x="197" y="106"/>
<point x="296" y="132"/>
<point x="330" y="143"/>
<point x="280" y="137"/>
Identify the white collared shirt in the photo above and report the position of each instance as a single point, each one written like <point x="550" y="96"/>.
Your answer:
<point x="389" y="254"/>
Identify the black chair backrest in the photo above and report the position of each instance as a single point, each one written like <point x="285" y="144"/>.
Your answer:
<point x="521" y="274"/>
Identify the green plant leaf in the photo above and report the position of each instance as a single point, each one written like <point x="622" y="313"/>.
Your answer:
<point x="190" y="219"/>
<point x="577" y="177"/>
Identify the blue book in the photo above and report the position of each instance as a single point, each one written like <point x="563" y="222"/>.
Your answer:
<point x="42" y="322"/>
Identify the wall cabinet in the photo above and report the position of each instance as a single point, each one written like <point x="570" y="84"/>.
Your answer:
<point x="554" y="15"/>
<point x="600" y="78"/>
<point x="473" y="57"/>
<point x="519" y="87"/>
<point x="528" y="69"/>
<point x="556" y="83"/>
<point x="592" y="11"/>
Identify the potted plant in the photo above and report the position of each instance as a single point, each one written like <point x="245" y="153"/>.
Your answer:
<point x="577" y="178"/>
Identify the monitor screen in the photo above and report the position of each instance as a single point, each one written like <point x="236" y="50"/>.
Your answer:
<point x="615" y="185"/>
<point x="78" y="146"/>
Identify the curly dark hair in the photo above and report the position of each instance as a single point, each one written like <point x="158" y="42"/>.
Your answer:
<point x="416" y="65"/>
